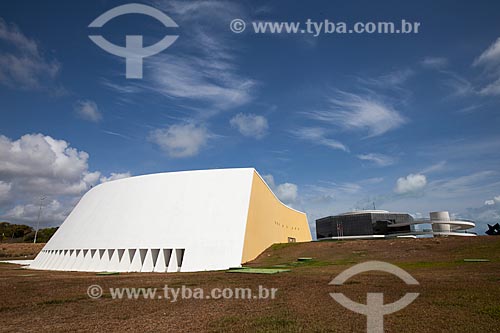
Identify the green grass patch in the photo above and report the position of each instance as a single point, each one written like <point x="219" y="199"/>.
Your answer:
<point x="303" y="263"/>
<point x="107" y="273"/>
<point x="428" y="264"/>
<point x="330" y="240"/>
<point x="492" y="311"/>
<point x="280" y="246"/>
<point x="274" y="323"/>
<point x="310" y="263"/>
<point x="344" y="262"/>
<point x="281" y="321"/>
<point x="251" y="270"/>
<point x="63" y="301"/>
<point x="226" y="323"/>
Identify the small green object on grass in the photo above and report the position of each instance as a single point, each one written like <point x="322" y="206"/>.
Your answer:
<point x="250" y="270"/>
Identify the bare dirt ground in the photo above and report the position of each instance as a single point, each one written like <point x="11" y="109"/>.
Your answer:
<point x="455" y="296"/>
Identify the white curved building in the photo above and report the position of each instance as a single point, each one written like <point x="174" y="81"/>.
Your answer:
<point x="168" y="222"/>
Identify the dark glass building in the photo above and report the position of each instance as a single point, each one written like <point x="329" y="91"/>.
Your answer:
<point x="363" y="223"/>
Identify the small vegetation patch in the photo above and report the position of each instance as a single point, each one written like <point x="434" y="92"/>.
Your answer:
<point x="280" y="246"/>
<point x="344" y="262"/>
<point x="307" y="263"/>
<point x="274" y="324"/>
<point x="107" y="273"/>
<point x="428" y="264"/>
<point x="492" y="311"/>
<point x="251" y="270"/>
<point x="63" y="301"/>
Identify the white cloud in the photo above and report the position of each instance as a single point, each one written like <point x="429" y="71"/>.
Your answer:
<point x="362" y="113"/>
<point x="391" y="80"/>
<point x="464" y="149"/>
<point x="250" y="125"/>
<point x="459" y="85"/>
<point x="199" y="10"/>
<point x="88" y="110"/>
<point x="378" y="159"/>
<point x="203" y="69"/>
<point x="434" y="62"/>
<point x="468" y="186"/>
<point x="333" y="188"/>
<point x="269" y="180"/>
<point x="4" y="190"/>
<point x="181" y="140"/>
<point x="24" y="67"/>
<point x="434" y="167"/>
<point x="398" y="77"/>
<point x="115" y="176"/>
<point x="318" y="136"/>
<point x="286" y="192"/>
<point x="490" y="57"/>
<point x="491" y="89"/>
<point x="470" y="108"/>
<point x="38" y="165"/>
<point x="490" y="61"/>
<point x="493" y="201"/>
<point x="52" y="212"/>
<point x="483" y="215"/>
<point x="211" y="81"/>
<point x="411" y="183"/>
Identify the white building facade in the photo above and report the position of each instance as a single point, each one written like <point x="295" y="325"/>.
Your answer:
<point x="179" y="221"/>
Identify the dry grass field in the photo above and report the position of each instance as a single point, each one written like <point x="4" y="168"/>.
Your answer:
<point x="455" y="296"/>
<point x="9" y="251"/>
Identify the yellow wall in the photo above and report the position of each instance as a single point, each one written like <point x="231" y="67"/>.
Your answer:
<point x="269" y="221"/>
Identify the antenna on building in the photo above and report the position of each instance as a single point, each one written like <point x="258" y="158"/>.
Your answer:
<point x="374" y="206"/>
<point x="38" y="219"/>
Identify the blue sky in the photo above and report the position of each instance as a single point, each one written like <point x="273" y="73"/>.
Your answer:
<point x="334" y="122"/>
